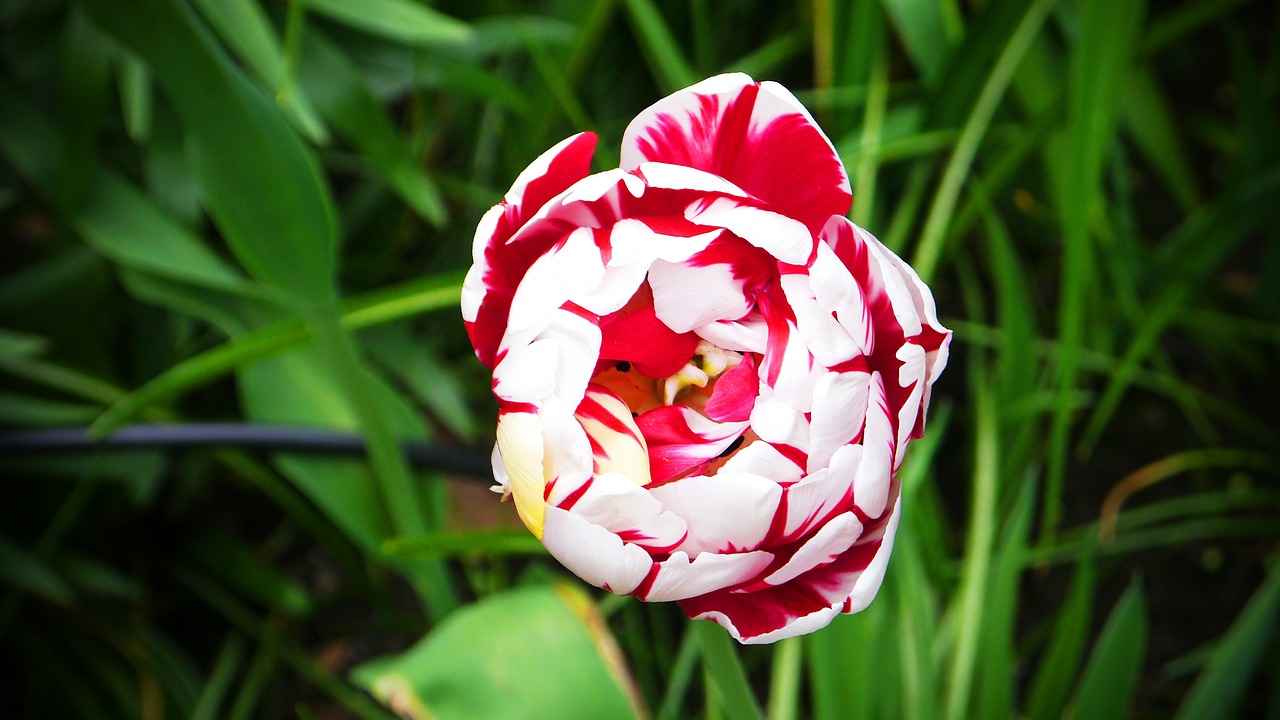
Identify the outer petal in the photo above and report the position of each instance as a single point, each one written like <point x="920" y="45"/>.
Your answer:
<point x="595" y="554"/>
<point x="727" y="512"/>
<point x="755" y="135"/>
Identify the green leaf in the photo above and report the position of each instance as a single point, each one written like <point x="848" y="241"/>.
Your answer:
<point x="399" y="20"/>
<point x="921" y="26"/>
<point x="1111" y="675"/>
<point x="244" y="27"/>
<point x="262" y="187"/>
<point x="230" y="560"/>
<point x="338" y="90"/>
<point x="1231" y="667"/>
<point x="26" y="572"/>
<point x="495" y="542"/>
<point x="1057" y="671"/>
<point x="532" y="653"/>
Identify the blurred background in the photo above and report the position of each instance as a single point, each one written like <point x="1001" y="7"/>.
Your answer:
<point x="253" y="212"/>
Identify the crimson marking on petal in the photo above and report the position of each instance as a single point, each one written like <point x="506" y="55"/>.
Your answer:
<point x="572" y="498"/>
<point x="506" y="406"/>
<point x="775" y="607"/>
<point x="593" y="409"/>
<point x="792" y="453"/>
<point x="642" y="590"/>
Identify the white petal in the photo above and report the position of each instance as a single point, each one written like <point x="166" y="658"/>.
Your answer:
<point x="617" y="504"/>
<point x="837" y="292"/>
<point x="798" y="374"/>
<point x="871" y="484"/>
<point x="821" y="333"/>
<point x="762" y="459"/>
<point x="831" y="540"/>
<point x="686" y="296"/>
<point x="818" y="496"/>
<point x="750" y="334"/>
<point x="678" y="177"/>
<point x="779" y="423"/>
<point x="577" y="342"/>
<point x="726" y="512"/>
<point x="527" y="374"/>
<point x="839" y="411"/>
<point x="595" y="554"/>
<point x="536" y="170"/>
<point x="679" y="579"/>
<point x="780" y="236"/>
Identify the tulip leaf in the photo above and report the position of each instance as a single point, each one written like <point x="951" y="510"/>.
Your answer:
<point x="400" y="20"/>
<point x="1111" y="675"/>
<point x="1235" y="660"/>
<point x="340" y="93"/>
<point x="259" y="183"/>
<point x="531" y="653"/>
<point x="1053" y="679"/>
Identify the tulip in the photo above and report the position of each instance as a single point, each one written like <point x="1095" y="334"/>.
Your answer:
<point x="706" y="375"/>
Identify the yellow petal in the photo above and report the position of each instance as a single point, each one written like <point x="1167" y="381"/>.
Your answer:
<point x="520" y="444"/>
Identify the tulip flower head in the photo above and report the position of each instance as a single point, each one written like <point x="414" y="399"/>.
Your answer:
<point x="706" y="375"/>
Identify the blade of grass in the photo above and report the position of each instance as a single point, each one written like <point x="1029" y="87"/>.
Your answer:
<point x="974" y="585"/>
<point x="1099" y="62"/>
<point x="668" y="61"/>
<point x="215" y="689"/>
<point x="928" y="253"/>
<point x="681" y="676"/>
<point x="380" y="306"/>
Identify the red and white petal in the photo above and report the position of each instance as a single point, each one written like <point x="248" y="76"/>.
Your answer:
<point x="839" y="410"/>
<point x="617" y="446"/>
<point x="687" y="296"/>
<point x="614" y="502"/>
<point x="869" y="580"/>
<point x="755" y="135"/>
<point x="786" y="239"/>
<point x="473" y="287"/>
<point x="819" y="330"/>
<point x="819" y="497"/>
<point x="837" y="291"/>
<point x="639" y="337"/>
<point x="595" y="554"/>
<point x="681" y="439"/>
<point x="567" y="460"/>
<point x="574" y="267"/>
<point x="871" y="484"/>
<point x="885" y="273"/>
<point x="764" y="460"/>
<point x="910" y="374"/>
<point x="828" y="543"/>
<point x="567" y="162"/>
<point x="727" y="512"/>
<point x="678" y="578"/>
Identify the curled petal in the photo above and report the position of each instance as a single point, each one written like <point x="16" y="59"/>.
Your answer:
<point x="755" y="135"/>
<point x="680" y="439"/>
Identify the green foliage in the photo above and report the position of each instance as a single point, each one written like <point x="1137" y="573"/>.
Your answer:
<point x="255" y="211"/>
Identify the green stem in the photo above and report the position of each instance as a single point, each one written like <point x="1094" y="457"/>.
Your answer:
<point x="724" y="670"/>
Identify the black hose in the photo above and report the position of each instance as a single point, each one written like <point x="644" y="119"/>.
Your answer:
<point x="275" y="438"/>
